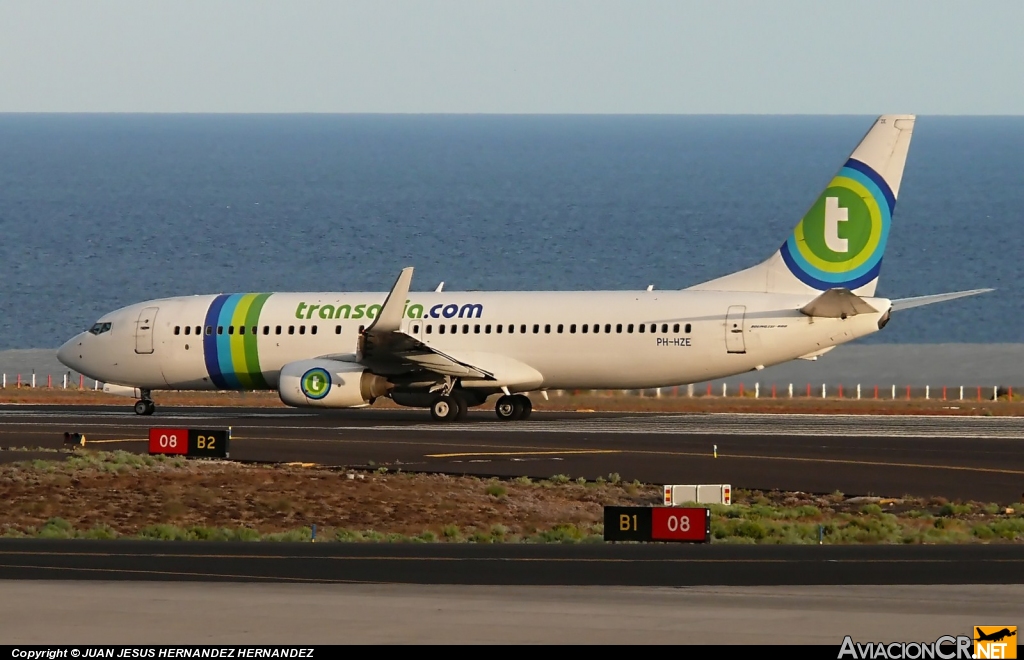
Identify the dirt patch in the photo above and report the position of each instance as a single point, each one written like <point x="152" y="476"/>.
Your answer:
<point x="107" y="495"/>
<point x="129" y="493"/>
<point x="568" y="401"/>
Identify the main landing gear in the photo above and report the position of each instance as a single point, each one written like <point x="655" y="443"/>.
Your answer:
<point x="513" y="407"/>
<point x="145" y="406"/>
<point x="454" y="407"/>
<point x="449" y="408"/>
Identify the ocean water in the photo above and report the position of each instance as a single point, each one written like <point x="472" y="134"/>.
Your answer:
<point x="100" y="211"/>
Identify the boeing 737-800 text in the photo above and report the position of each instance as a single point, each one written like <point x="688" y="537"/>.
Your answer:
<point x="451" y="351"/>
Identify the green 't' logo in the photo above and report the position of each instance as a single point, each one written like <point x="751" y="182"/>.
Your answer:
<point x="316" y="383"/>
<point x="838" y="227"/>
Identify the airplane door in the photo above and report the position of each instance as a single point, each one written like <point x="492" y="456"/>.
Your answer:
<point x="734" y="342"/>
<point x="144" y="330"/>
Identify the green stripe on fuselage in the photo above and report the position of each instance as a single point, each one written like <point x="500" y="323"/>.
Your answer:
<point x="251" y="344"/>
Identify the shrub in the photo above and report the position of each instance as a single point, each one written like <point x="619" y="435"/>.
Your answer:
<point x="496" y="490"/>
<point x="950" y="509"/>
<point x="559" y="479"/>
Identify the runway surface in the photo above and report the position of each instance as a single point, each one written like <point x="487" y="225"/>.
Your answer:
<point x="511" y="564"/>
<point x="979" y="458"/>
<point x="174" y="613"/>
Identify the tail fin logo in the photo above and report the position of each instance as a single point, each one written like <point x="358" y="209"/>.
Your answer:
<point x="841" y="240"/>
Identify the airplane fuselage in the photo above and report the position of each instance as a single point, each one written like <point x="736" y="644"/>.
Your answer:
<point x="587" y="340"/>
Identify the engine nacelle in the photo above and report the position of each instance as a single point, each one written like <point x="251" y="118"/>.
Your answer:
<point x="329" y="384"/>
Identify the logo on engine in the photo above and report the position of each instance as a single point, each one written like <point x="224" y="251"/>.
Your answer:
<point x="315" y="383"/>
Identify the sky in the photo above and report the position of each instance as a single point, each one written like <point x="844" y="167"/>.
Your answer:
<point x="513" y="57"/>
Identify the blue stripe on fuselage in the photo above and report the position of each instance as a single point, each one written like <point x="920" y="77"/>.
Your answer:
<point x="210" y="342"/>
<point x="227" y="366"/>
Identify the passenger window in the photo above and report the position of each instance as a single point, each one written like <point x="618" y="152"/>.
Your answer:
<point x="302" y="329"/>
<point x="522" y="329"/>
<point x="430" y="329"/>
<point x="255" y="330"/>
<point x="199" y="329"/>
<point x="266" y="330"/>
<point x="629" y="328"/>
<point x="337" y="329"/>
<point x="476" y="328"/>
<point x="220" y="329"/>
<point x="687" y="328"/>
<point x="584" y="328"/>
<point x="498" y="329"/>
<point x="572" y="329"/>
<point x="440" y="329"/>
<point x="487" y="329"/>
<point x="455" y="330"/>
<point x="547" y="328"/>
<point x="641" y="328"/>
<point x="188" y="329"/>
<point x="664" y="328"/>
<point x="675" y="328"/>
<point x="618" y="327"/>
<point x="465" y="329"/>
<point x="415" y="329"/>
<point x="654" y="327"/>
<point x="209" y="329"/>
<point x="536" y="328"/>
<point x="313" y="330"/>
<point x="608" y="327"/>
<point x="177" y="329"/>
<point x="277" y="330"/>
<point x="241" y="330"/>
<point x="291" y="329"/>
<point x="559" y="328"/>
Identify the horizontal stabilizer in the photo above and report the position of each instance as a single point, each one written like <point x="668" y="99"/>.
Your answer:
<point x="908" y="303"/>
<point x="837" y="304"/>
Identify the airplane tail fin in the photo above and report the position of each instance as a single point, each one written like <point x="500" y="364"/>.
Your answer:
<point x="840" y="241"/>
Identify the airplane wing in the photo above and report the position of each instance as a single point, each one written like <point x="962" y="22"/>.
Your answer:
<point x="908" y="303"/>
<point x="386" y="349"/>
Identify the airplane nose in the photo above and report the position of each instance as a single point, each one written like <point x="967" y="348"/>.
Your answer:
<point x="70" y="354"/>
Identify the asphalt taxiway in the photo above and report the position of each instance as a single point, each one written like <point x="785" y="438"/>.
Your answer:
<point x="980" y="458"/>
<point x="600" y="564"/>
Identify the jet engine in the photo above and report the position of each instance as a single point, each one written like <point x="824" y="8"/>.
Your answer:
<point x="329" y="384"/>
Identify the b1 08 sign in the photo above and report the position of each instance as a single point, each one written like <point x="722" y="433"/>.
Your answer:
<point x="646" y="524"/>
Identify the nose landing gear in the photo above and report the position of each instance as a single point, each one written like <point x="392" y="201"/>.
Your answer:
<point x="145" y="406"/>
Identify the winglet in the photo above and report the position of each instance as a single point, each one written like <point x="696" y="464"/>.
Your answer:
<point x="389" y="319"/>
<point x="908" y="303"/>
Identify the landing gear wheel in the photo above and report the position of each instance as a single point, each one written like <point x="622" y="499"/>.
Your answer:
<point x="463" y="407"/>
<point x="509" y="408"/>
<point x="144" y="407"/>
<point x="445" y="409"/>
<point x="526" y="404"/>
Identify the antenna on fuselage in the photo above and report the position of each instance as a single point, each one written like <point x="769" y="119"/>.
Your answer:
<point x="650" y="287"/>
<point x="440" y="287"/>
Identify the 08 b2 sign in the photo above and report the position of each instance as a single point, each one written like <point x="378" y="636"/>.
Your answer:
<point x="646" y="524"/>
<point x="189" y="442"/>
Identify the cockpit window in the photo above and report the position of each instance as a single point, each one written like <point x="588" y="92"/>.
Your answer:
<point x="99" y="328"/>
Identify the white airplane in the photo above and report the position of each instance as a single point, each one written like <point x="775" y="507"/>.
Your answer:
<point x="449" y="351"/>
